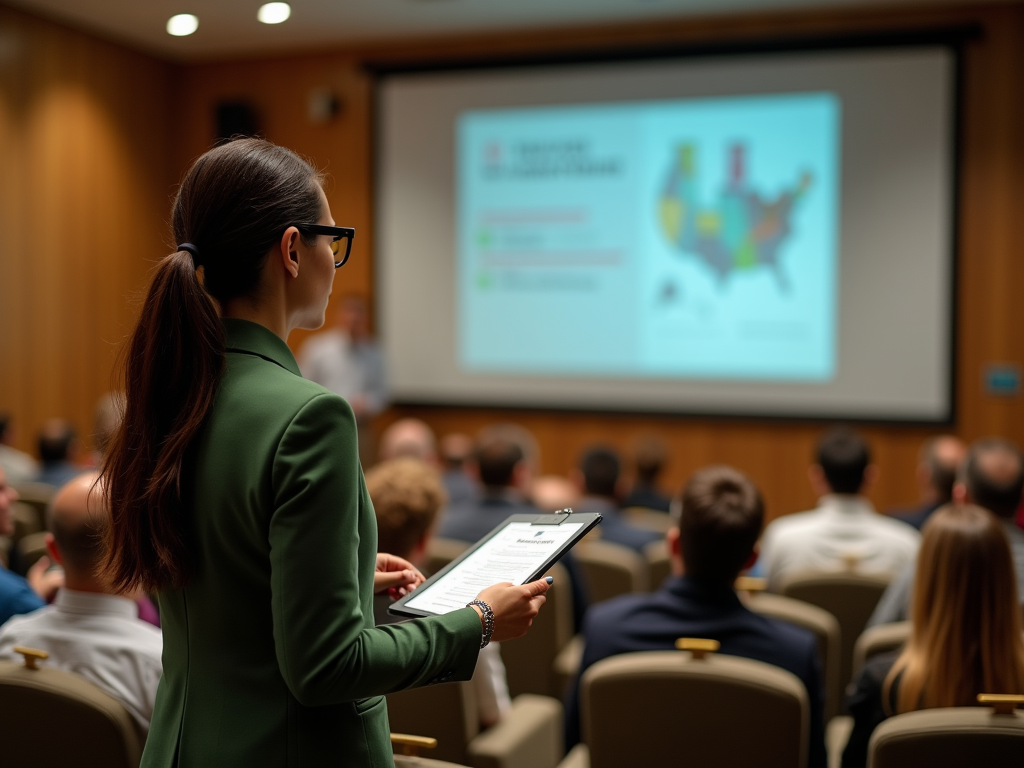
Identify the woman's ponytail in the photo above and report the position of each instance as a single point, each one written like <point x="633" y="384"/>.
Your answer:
<point x="173" y="365"/>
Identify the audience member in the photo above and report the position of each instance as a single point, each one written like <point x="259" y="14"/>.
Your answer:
<point x="844" y="531"/>
<point x="649" y="457"/>
<point x="966" y="634"/>
<point x="456" y="451"/>
<point x="598" y="481"/>
<point x="721" y="515"/>
<point x="409" y="438"/>
<point x="58" y="448"/>
<point x="407" y="496"/>
<point x="992" y="476"/>
<point x="89" y="630"/>
<point x="18" y="466"/>
<point x="938" y="461"/>
<point x="16" y="595"/>
<point x="554" y="492"/>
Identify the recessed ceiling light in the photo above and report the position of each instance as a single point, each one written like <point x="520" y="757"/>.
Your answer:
<point x="182" y="24"/>
<point x="274" y="13"/>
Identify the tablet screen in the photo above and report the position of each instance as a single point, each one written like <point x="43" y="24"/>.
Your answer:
<point x="513" y="554"/>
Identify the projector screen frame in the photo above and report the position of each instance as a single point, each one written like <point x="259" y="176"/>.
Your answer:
<point x="954" y="38"/>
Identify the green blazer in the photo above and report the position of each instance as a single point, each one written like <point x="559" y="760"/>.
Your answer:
<point x="271" y="657"/>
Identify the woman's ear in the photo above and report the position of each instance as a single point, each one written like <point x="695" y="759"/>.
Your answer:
<point x="288" y="251"/>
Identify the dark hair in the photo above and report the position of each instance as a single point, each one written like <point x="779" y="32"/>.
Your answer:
<point x="234" y="204"/>
<point x="649" y="455"/>
<point x="55" y="441"/>
<point x="942" y="474"/>
<point x="994" y="476"/>
<point x="721" y="518"/>
<point x="5" y="422"/>
<point x="600" y="466"/>
<point x="843" y="456"/>
<point x="496" y="458"/>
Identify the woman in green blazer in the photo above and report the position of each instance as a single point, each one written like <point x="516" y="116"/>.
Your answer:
<point x="236" y="495"/>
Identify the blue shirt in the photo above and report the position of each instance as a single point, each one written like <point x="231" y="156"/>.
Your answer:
<point x="16" y="596"/>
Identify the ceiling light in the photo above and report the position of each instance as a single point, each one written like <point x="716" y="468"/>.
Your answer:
<point x="274" y="13"/>
<point x="182" y="24"/>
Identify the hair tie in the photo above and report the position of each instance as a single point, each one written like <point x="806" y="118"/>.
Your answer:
<point x="191" y="249"/>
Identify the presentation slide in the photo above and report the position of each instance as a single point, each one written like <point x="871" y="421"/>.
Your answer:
<point x="745" y="235"/>
<point x="672" y="238"/>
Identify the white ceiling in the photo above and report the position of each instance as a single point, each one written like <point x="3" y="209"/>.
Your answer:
<point x="228" y="28"/>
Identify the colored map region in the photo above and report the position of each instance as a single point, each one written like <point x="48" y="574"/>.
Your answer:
<point x="743" y="231"/>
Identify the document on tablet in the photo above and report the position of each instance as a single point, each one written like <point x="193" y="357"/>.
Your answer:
<point x="513" y="554"/>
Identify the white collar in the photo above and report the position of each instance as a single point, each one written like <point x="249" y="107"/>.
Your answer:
<point x="73" y="601"/>
<point x="846" y="504"/>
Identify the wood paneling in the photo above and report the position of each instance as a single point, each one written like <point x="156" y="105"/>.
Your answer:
<point x="84" y="182"/>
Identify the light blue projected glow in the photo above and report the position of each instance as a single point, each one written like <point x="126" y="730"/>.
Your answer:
<point x="683" y="239"/>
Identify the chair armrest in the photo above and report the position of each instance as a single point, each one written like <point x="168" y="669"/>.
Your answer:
<point x="529" y="736"/>
<point x="579" y="757"/>
<point x="567" y="663"/>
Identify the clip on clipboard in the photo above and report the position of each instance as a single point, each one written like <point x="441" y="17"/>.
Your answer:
<point x="519" y="550"/>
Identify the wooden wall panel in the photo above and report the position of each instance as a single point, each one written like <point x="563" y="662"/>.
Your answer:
<point x="84" y="183"/>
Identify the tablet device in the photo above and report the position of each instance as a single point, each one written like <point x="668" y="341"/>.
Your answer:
<point x="519" y="550"/>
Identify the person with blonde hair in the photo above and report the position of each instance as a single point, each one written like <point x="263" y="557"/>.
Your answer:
<point x="966" y="634"/>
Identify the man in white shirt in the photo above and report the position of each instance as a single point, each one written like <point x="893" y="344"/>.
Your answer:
<point x="88" y="630"/>
<point x="844" y="532"/>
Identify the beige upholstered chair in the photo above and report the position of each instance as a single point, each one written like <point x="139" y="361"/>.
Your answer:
<point x="611" y="569"/>
<point x="648" y="519"/>
<point x="659" y="563"/>
<point x="850" y="597"/>
<point x="657" y="707"/>
<point x="55" y="718"/>
<point x="530" y="660"/>
<point x="880" y="639"/>
<point x="30" y="549"/>
<point x="529" y="736"/>
<point x="950" y="738"/>
<point x="37" y="496"/>
<point x="440" y="552"/>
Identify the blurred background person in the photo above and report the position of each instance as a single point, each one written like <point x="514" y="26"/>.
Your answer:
<point x="598" y="479"/>
<point x="966" y="635"/>
<point x="59" y="448"/>
<point x="938" y="462"/>
<point x="407" y="496"/>
<point x="456" y="452"/>
<point x="410" y="438"/>
<point x="553" y="492"/>
<point x="90" y="630"/>
<point x="16" y="595"/>
<point x="649" y="457"/>
<point x="17" y="465"/>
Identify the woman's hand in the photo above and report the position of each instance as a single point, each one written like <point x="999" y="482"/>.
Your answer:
<point x="514" y="607"/>
<point x="395" y="576"/>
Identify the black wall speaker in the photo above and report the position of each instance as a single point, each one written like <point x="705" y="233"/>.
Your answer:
<point x="236" y="118"/>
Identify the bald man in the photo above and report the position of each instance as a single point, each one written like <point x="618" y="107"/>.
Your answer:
<point x="89" y="630"/>
<point x="409" y="439"/>
<point x="938" y="462"/>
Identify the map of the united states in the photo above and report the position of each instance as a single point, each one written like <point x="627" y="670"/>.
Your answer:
<point x="743" y="231"/>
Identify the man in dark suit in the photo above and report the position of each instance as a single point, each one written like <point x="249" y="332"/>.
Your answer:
<point x="720" y="521"/>
<point x="598" y="480"/>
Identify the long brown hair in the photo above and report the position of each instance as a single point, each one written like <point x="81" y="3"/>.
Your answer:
<point x="233" y="205"/>
<point x="966" y="635"/>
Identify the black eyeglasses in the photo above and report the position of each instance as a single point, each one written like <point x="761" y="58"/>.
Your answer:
<point x="337" y="235"/>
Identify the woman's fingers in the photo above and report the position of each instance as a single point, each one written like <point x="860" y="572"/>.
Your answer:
<point x="387" y="580"/>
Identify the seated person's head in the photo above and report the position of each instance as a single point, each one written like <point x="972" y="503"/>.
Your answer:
<point x="57" y="441"/>
<point x="720" y="516"/>
<point x="599" y="472"/>
<point x="504" y="457"/>
<point x="843" y="463"/>
<point x="409" y="438"/>
<point x="649" y="456"/>
<point x="938" y="464"/>
<point x="77" y="520"/>
<point x="993" y="476"/>
<point x="407" y="495"/>
<point x="553" y="492"/>
<point x="966" y="635"/>
<point x="456" y="449"/>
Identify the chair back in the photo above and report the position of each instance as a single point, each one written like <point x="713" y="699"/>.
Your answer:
<point x="659" y="563"/>
<point x="951" y="737"/>
<point x="30" y="549"/>
<point x="448" y="712"/>
<point x="826" y="631"/>
<point x="611" y="569"/>
<point x="669" y="708"/>
<point x="880" y="639"/>
<point x="440" y="552"/>
<point x="56" y="718"/>
<point x="37" y="496"/>
<point x="850" y="597"/>
<point x="530" y="660"/>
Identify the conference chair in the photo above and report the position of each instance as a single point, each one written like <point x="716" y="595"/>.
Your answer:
<point x="37" y="496"/>
<point x="530" y="660"/>
<point x="850" y="597"/>
<point x="30" y="549"/>
<point x="654" y="707"/>
<point x="52" y="718"/>
<point x="529" y="736"/>
<point x="440" y="552"/>
<point x="952" y="737"/>
<point x="648" y="519"/>
<point x="880" y="639"/>
<point x="659" y="563"/>
<point x="611" y="569"/>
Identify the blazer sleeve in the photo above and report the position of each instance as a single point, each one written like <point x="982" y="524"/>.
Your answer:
<point x="327" y="650"/>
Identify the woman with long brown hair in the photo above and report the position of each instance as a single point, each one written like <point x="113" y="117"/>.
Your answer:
<point x="237" y="496"/>
<point x="966" y="631"/>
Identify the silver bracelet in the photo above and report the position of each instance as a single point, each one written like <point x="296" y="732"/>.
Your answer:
<point x="488" y="621"/>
